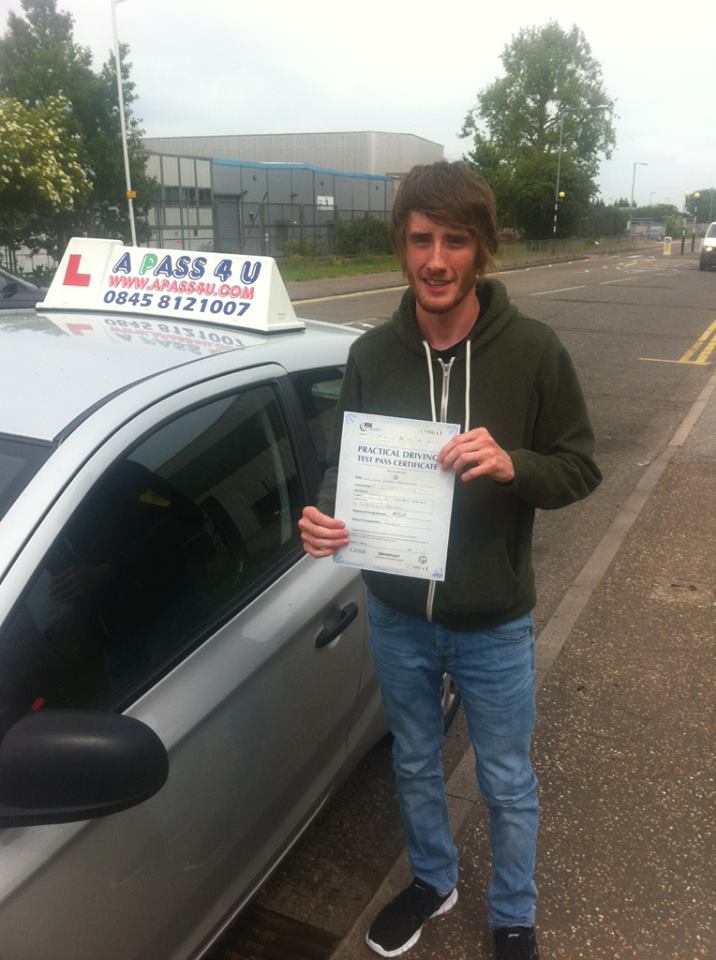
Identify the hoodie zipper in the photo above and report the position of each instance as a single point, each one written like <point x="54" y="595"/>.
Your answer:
<point x="444" y="397"/>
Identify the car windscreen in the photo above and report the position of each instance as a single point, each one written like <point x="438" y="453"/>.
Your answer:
<point x="711" y="232"/>
<point x="20" y="459"/>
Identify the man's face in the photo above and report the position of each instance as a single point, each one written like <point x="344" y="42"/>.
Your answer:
<point x="440" y="262"/>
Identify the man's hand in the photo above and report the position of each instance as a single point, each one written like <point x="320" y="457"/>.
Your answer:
<point x="321" y="534"/>
<point x="477" y="454"/>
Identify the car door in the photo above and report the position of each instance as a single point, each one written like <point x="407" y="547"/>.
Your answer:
<point x="177" y="591"/>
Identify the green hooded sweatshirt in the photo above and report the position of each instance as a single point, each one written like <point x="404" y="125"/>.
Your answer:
<point x="523" y="389"/>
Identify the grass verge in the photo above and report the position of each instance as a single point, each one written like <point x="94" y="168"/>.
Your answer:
<point x="319" y="268"/>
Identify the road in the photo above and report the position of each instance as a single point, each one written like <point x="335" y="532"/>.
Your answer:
<point x="641" y="330"/>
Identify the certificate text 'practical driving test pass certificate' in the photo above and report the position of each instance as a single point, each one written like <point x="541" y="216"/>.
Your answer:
<point x="393" y="496"/>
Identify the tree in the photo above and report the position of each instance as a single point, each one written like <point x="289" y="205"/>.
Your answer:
<point x="39" y="59"/>
<point x="40" y="172"/>
<point x="551" y="89"/>
<point x="703" y="205"/>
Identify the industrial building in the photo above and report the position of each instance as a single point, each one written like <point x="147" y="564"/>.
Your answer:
<point x="272" y="194"/>
<point x="366" y="152"/>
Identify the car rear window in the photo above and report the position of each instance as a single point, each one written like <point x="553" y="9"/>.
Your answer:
<point x="19" y="461"/>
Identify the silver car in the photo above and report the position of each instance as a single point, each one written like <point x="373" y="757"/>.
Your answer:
<point x="181" y="687"/>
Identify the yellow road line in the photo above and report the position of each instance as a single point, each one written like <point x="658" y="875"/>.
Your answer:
<point x="688" y="363"/>
<point x="704" y="358"/>
<point x="695" y="347"/>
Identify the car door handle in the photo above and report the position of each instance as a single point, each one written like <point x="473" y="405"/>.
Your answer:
<point x="346" y="616"/>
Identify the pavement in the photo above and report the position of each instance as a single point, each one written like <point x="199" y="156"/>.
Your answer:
<point x="625" y="747"/>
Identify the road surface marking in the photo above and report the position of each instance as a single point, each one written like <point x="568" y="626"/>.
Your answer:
<point x="543" y="293"/>
<point x="348" y="296"/>
<point x="703" y="344"/>
<point x="708" y="348"/>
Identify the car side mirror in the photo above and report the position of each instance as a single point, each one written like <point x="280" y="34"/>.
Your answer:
<point x="58" y="766"/>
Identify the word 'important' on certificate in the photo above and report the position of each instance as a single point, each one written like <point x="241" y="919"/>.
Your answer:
<point x="393" y="496"/>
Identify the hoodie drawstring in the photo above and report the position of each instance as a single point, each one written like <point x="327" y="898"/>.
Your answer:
<point x="443" y="416"/>
<point x="431" y="378"/>
<point x="468" y="353"/>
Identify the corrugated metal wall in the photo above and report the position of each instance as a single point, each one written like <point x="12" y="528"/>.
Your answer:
<point x="371" y="151"/>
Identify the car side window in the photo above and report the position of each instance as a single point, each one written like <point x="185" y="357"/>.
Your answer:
<point x="318" y="392"/>
<point x="166" y="544"/>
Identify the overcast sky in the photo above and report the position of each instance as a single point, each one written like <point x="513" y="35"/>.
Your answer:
<point x="219" y="67"/>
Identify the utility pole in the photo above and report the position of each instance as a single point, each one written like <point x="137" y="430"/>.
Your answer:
<point x="123" y="127"/>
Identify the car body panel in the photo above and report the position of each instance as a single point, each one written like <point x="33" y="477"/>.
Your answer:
<point x="260" y="725"/>
<point x="64" y="364"/>
<point x="205" y="840"/>
<point x="707" y="256"/>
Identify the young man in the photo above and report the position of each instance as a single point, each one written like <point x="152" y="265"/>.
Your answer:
<point x="458" y="350"/>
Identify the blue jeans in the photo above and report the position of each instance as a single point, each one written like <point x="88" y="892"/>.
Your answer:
<point x="494" y="670"/>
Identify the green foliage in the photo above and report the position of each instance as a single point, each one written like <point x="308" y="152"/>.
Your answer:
<point x="367" y="235"/>
<point x="39" y="163"/>
<point x="40" y="173"/>
<point x="301" y="248"/>
<point x="704" y="206"/>
<point x="39" y="60"/>
<point x="605" y="221"/>
<point x="654" y="211"/>
<point x="313" y="268"/>
<point x="673" y="225"/>
<point x="40" y="275"/>
<point x="663" y="213"/>
<point x="552" y="88"/>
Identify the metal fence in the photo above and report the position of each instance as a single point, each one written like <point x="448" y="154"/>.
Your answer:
<point x="531" y="249"/>
<point x="279" y="229"/>
<point x="268" y="229"/>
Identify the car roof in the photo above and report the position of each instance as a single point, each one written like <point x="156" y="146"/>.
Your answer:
<point x="57" y="367"/>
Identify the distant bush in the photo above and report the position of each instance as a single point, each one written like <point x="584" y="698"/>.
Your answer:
<point x="41" y="275"/>
<point x="674" y="225"/>
<point x="367" y="235"/>
<point x="301" y="248"/>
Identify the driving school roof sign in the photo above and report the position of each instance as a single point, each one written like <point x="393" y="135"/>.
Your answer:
<point x="105" y="276"/>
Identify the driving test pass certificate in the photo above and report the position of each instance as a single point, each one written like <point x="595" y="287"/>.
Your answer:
<point x="394" y="498"/>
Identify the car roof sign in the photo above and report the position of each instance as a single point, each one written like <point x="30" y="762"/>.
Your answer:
<point x="232" y="289"/>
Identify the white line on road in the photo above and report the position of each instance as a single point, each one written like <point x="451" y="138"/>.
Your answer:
<point x="543" y="293"/>
<point x="348" y="296"/>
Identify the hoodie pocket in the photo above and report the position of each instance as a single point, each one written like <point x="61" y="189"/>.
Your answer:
<point x="480" y="580"/>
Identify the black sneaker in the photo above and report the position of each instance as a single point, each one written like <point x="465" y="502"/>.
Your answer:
<point x="397" y="927"/>
<point x="515" y="943"/>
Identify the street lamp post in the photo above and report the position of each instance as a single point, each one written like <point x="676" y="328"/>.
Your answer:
<point x="556" y="186"/>
<point x="637" y="163"/>
<point x="123" y="126"/>
<point x="560" y="195"/>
